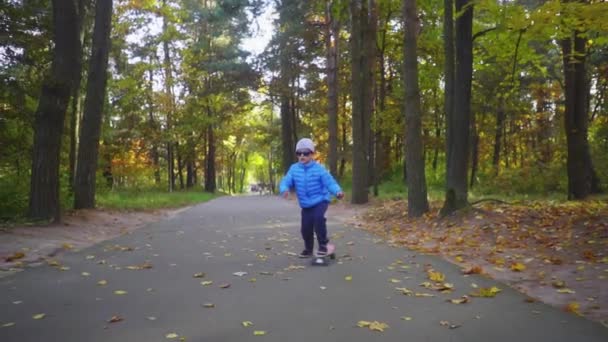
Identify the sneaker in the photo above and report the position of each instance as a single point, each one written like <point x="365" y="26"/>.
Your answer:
<point x="305" y="254"/>
<point x="322" y="250"/>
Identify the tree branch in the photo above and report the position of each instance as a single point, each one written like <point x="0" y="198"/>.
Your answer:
<point x="481" y="33"/>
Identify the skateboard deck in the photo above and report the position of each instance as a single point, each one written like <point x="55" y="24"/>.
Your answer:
<point x="322" y="260"/>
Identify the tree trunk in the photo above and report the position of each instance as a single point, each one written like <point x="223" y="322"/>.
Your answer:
<point x="153" y="128"/>
<point x="332" y="35"/>
<point x="210" y="184"/>
<point x="458" y="127"/>
<point x="86" y="169"/>
<point x="49" y="118"/>
<point x="170" y="105"/>
<point x="474" y="151"/>
<point x="498" y="134"/>
<point x="450" y="65"/>
<point x="360" y="96"/>
<point x="582" y="180"/>
<point x="417" y="202"/>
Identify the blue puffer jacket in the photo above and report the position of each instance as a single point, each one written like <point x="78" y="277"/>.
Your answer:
<point x="312" y="182"/>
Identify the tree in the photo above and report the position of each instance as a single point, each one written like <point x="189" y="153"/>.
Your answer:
<point x="84" y="184"/>
<point x="58" y="84"/>
<point x="362" y="58"/>
<point x="458" y="136"/>
<point x="582" y="179"/>
<point x="416" y="180"/>
<point x="332" y="39"/>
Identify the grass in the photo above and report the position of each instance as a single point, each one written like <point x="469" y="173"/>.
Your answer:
<point x="150" y="199"/>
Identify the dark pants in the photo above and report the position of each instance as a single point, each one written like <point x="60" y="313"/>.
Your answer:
<point x="313" y="222"/>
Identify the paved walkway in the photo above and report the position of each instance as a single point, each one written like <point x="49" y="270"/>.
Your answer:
<point x="150" y="285"/>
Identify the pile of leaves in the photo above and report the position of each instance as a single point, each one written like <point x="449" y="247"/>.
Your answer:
<point x="556" y="253"/>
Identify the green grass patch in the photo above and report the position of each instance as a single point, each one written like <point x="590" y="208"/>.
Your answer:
<point x="151" y="199"/>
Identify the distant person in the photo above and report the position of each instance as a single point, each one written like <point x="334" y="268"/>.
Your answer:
<point x="314" y="187"/>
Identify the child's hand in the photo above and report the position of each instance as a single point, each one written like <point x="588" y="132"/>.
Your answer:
<point x="340" y="195"/>
<point x="285" y="195"/>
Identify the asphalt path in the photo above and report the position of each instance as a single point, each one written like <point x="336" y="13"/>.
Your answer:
<point x="226" y="270"/>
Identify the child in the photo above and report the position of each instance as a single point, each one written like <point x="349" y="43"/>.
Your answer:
<point x="313" y="185"/>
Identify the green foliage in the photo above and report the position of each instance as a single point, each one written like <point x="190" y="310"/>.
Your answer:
<point x="150" y="199"/>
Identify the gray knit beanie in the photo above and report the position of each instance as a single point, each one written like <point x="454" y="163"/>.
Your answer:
<point x="305" y="144"/>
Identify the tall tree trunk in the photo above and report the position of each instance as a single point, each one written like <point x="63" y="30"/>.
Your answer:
<point x="170" y="104"/>
<point x="153" y="128"/>
<point x="180" y="166"/>
<point x="371" y="53"/>
<point x="474" y="150"/>
<point x="450" y="65"/>
<point x="498" y="134"/>
<point x="86" y="169"/>
<point x="49" y="118"/>
<point x="332" y="34"/>
<point x="458" y="127"/>
<point x="582" y="180"/>
<point x="76" y="105"/>
<point x="210" y="172"/>
<point x="360" y="96"/>
<point x="417" y="202"/>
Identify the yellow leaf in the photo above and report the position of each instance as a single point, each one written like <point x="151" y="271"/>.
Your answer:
<point x="9" y="324"/>
<point x="406" y="318"/>
<point x="206" y="282"/>
<point x="436" y="276"/>
<point x="417" y="294"/>
<point x="378" y="326"/>
<point x="85" y="274"/>
<point x="566" y="291"/>
<point x="573" y="307"/>
<point x="259" y="333"/>
<point x="362" y="324"/>
<point x="487" y="292"/>
<point x="518" y="267"/>
<point x="209" y="305"/>
<point x="120" y="292"/>
<point x="348" y="278"/>
<point x="392" y="280"/>
<point x="252" y="280"/>
<point x="247" y="323"/>
<point x="171" y="336"/>
<point x="102" y="283"/>
<point x="199" y="275"/>
<point x="39" y="316"/>
<point x="459" y="259"/>
<point x="461" y="300"/>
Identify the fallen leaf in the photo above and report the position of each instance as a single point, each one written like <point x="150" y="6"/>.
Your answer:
<point x="115" y="319"/>
<point x="348" y="278"/>
<point x="461" y="300"/>
<point x="373" y="326"/>
<point x="449" y="325"/>
<point x="247" y="324"/>
<point x="171" y="336"/>
<point x="473" y="270"/>
<point x="9" y="324"/>
<point x="406" y="318"/>
<point x="518" y="267"/>
<point x="39" y="316"/>
<point x="209" y="305"/>
<point x="120" y="292"/>
<point x="206" y="282"/>
<point x="15" y="256"/>
<point x="404" y="291"/>
<point x="566" y="291"/>
<point x="259" y="333"/>
<point x="224" y="285"/>
<point x="151" y="318"/>
<point x="102" y="283"/>
<point x="199" y="275"/>
<point x="487" y="292"/>
<point x="85" y="274"/>
<point x="573" y="307"/>
<point x="392" y="280"/>
<point x="239" y="274"/>
<point x="436" y="276"/>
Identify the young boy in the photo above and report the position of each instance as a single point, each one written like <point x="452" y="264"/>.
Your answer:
<point x="313" y="185"/>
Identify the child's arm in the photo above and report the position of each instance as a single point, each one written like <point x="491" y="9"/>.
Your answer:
<point x="331" y="184"/>
<point x="286" y="182"/>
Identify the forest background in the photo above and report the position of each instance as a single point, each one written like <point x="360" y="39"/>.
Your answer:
<point x="502" y="98"/>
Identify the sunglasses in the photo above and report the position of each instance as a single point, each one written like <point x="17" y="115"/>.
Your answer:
<point x="305" y="154"/>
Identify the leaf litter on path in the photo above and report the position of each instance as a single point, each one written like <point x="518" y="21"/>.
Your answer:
<point x="523" y="244"/>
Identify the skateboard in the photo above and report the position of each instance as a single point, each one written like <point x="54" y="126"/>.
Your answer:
<point x="322" y="260"/>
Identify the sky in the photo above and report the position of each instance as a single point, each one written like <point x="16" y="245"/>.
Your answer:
<point x="262" y="28"/>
